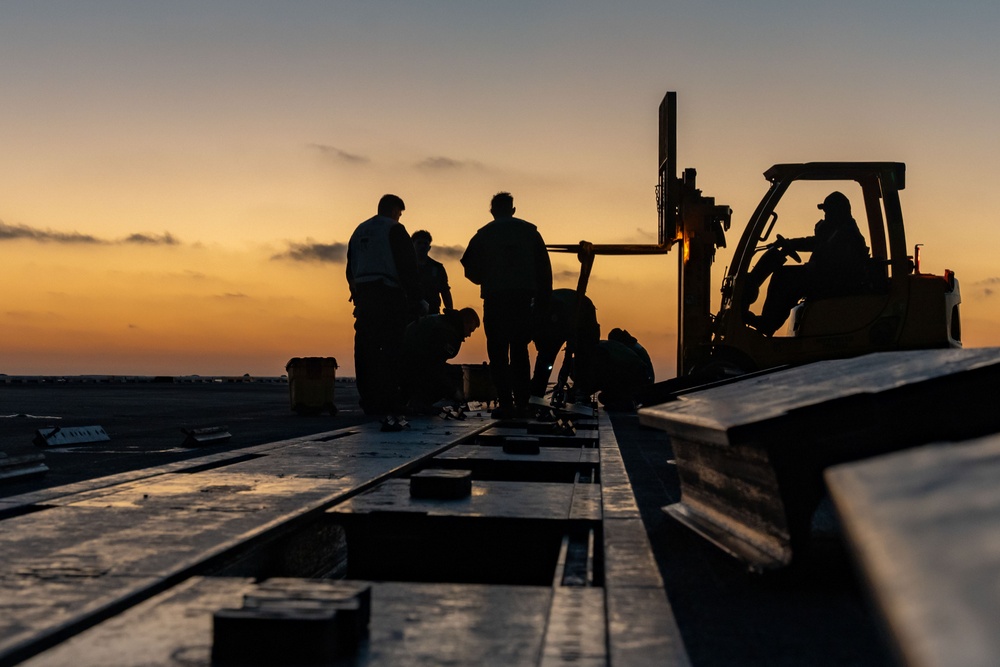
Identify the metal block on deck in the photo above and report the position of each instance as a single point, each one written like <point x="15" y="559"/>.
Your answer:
<point x="208" y="435"/>
<point x="352" y="597"/>
<point x="441" y="484"/>
<point x="275" y="636"/>
<point x="305" y="623"/>
<point x="521" y="445"/>
<point x="751" y="454"/>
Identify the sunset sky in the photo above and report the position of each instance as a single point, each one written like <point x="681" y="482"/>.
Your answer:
<point x="178" y="179"/>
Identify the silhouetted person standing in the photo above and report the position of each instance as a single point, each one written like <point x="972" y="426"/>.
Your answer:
<point x="508" y="260"/>
<point x="382" y="274"/>
<point x="433" y="277"/>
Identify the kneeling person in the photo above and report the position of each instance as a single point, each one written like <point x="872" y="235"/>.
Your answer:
<point x="430" y="342"/>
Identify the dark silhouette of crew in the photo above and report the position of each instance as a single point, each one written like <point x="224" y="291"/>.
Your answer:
<point x="571" y="321"/>
<point x="507" y="258"/>
<point x="385" y="289"/>
<point x="619" y="368"/>
<point x="430" y="342"/>
<point x="433" y="277"/>
<point x="837" y="266"/>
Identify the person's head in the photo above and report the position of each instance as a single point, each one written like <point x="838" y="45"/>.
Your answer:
<point x="836" y="205"/>
<point x="421" y="242"/>
<point x="622" y="336"/>
<point x="502" y="205"/>
<point x="470" y="320"/>
<point x="391" y="206"/>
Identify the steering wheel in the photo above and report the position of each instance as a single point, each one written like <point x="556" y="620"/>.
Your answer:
<point x="787" y="252"/>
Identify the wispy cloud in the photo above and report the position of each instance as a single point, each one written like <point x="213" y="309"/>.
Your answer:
<point x="26" y="233"/>
<point x="19" y="232"/>
<point x="646" y="236"/>
<point x="314" y="252"/>
<point x="441" y="163"/>
<point x="337" y="155"/>
<point x="448" y="251"/>
<point x="987" y="285"/>
<point x="151" y="239"/>
<point x="559" y="276"/>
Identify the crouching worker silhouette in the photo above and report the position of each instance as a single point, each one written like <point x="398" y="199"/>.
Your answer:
<point x="556" y="328"/>
<point x="428" y="345"/>
<point x="620" y="368"/>
<point x="837" y="265"/>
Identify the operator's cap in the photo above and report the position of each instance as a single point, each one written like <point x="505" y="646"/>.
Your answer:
<point x="836" y="202"/>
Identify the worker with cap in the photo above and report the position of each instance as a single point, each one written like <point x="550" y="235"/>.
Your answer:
<point x="837" y="265"/>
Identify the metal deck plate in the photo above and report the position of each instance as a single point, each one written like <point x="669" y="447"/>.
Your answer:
<point x="98" y="553"/>
<point x="550" y="464"/>
<point x="508" y="500"/>
<point x="497" y="434"/>
<point x="107" y="546"/>
<point x="411" y="624"/>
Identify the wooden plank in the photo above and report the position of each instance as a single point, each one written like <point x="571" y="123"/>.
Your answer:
<point x="923" y="526"/>
<point x="758" y="407"/>
<point x="618" y="500"/>
<point x="576" y="630"/>
<point x="642" y="629"/>
<point x="750" y="454"/>
<point x="641" y="625"/>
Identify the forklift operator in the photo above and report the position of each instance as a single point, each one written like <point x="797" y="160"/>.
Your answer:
<point x="837" y="265"/>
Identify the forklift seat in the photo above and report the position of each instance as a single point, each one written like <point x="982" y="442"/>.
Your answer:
<point x="836" y="315"/>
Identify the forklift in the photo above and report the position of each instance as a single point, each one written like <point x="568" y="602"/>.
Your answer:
<point x="899" y="308"/>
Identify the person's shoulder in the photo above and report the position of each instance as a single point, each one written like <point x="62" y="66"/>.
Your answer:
<point x="486" y="228"/>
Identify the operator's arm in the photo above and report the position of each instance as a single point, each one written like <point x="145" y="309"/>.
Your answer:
<point x="801" y="244"/>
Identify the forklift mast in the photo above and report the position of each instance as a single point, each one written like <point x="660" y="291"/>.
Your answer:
<point x="699" y="225"/>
